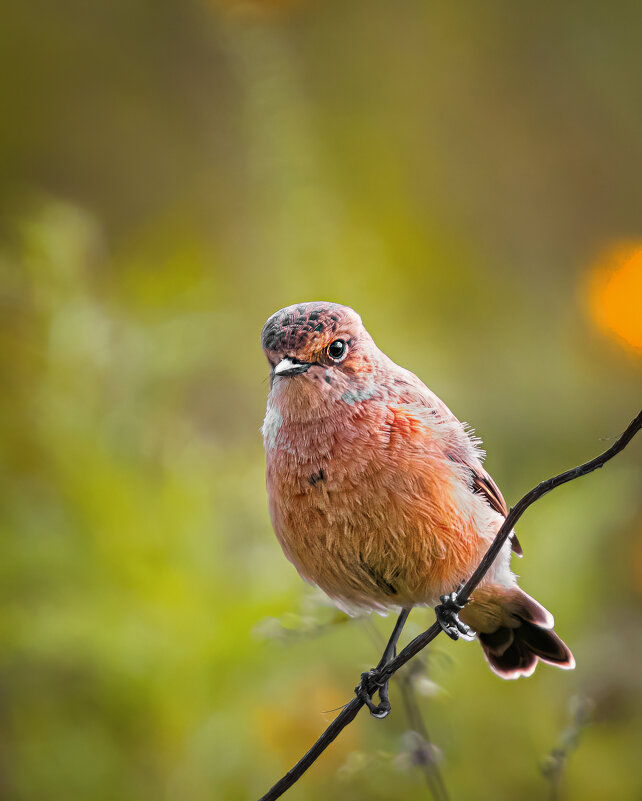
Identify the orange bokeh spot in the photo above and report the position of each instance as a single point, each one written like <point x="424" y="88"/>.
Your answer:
<point x="616" y="296"/>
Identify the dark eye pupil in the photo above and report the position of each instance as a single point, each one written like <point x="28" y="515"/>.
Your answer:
<point x="337" y="349"/>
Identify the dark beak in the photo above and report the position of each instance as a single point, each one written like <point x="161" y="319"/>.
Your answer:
<point x="290" y="367"/>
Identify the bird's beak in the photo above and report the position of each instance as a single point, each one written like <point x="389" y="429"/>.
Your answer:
<point x="289" y="367"/>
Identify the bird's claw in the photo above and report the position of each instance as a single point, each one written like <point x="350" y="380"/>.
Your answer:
<point x="447" y="613"/>
<point x="371" y="683"/>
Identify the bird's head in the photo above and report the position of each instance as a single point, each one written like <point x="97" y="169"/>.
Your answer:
<point x="319" y="352"/>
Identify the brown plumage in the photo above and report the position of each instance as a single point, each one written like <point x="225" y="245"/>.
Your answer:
<point x="377" y="492"/>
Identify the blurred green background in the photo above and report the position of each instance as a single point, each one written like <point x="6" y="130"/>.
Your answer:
<point x="469" y="178"/>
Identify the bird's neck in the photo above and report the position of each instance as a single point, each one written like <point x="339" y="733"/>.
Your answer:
<point x="303" y="423"/>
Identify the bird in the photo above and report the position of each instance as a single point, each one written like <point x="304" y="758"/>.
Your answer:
<point x="378" y="495"/>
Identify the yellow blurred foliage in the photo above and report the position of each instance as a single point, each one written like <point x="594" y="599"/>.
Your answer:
<point x="289" y="730"/>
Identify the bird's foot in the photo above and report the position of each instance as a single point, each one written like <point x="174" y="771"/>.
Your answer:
<point x="371" y="682"/>
<point x="447" y="613"/>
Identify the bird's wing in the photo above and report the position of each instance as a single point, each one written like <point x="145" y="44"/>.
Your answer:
<point x="461" y="446"/>
<point x="484" y="485"/>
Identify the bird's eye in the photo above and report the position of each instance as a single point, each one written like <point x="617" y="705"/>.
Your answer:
<point x="337" y="350"/>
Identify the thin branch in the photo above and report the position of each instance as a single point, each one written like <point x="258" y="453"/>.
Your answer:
<point x="425" y="757"/>
<point x="424" y="753"/>
<point x="351" y="710"/>
<point x="554" y="763"/>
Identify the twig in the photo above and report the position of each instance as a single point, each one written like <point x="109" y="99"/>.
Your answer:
<point x="423" y="751"/>
<point x="425" y="756"/>
<point x="351" y="710"/>
<point x="554" y="763"/>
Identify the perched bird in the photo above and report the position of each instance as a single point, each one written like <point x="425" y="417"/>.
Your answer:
<point x="377" y="491"/>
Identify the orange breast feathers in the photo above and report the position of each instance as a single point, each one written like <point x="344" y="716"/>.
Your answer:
<point x="372" y="509"/>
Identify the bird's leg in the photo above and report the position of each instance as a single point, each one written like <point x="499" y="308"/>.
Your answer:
<point x="390" y="650"/>
<point x="447" y="613"/>
<point x="370" y="681"/>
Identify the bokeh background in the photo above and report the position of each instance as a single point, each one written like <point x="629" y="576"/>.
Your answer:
<point x="469" y="178"/>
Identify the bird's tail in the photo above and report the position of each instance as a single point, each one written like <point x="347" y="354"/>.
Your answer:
<point x="515" y="632"/>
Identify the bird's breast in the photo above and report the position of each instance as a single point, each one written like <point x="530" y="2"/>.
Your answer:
<point x="368" y="507"/>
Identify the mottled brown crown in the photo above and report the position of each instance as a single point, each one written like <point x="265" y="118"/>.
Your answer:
<point x="295" y="328"/>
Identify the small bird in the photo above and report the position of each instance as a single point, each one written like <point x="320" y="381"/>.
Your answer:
<point x="377" y="492"/>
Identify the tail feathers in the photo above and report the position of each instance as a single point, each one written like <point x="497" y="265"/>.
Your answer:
<point x="525" y="607"/>
<point x="513" y="651"/>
